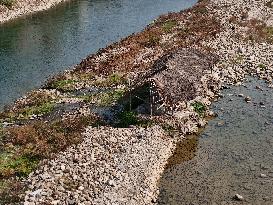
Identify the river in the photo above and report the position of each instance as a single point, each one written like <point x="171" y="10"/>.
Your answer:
<point x="35" y="47"/>
<point x="232" y="156"/>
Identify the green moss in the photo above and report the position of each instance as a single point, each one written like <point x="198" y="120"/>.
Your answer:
<point x="169" y="25"/>
<point x="199" y="107"/>
<point x="269" y="33"/>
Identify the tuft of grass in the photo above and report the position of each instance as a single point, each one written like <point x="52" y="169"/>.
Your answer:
<point x="7" y="3"/>
<point x="152" y="40"/>
<point x="37" y="110"/>
<point x="170" y="130"/>
<point x="63" y="85"/>
<point x="11" y="191"/>
<point x="28" y="111"/>
<point x="237" y="59"/>
<point x="104" y="98"/>
<point x="25" y="145"/>
<point x="127" y="118"/>
<point x="107" y="99"/>
<point x="112" y="80"/>
<point x="269" y="33"/>
<point x="169" y="25"/>
<point x="20" y="166"/>
<point x="262" y="66"/>
<point x="199" y="107"/>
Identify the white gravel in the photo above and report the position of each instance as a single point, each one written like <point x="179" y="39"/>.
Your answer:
<point x="111" y="166"/>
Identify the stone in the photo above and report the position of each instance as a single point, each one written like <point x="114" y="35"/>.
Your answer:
<point x="81" y="188"/>
<point x="263" y="175"/>
<point x="247" y="99"/>
<point x="62" y="167"/>
<point x="238" y="197"/>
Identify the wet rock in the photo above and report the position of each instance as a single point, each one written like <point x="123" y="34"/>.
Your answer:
<point x="238" y="197"/>
<point x="247" y="99"/>
<point x="220" y="124"/>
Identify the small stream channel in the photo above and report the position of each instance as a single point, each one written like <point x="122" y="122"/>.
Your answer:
<point x="233" y="155"/>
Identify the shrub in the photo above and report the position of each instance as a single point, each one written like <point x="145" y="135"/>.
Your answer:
<point x="169" y="25"/>
<point x="39" y="139"/>
<point x="199" y="107"/>
<point x="127" y="118"/>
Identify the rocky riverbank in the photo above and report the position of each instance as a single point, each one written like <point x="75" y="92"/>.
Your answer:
<point x="184" y="58"/>
<point x="10" y="9"/>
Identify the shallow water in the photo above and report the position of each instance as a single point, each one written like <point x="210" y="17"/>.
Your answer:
<point x="43" y="44"/>
<point x="234" y="154"/>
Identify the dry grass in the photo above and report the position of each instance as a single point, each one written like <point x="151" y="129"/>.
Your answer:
<point x="22" y="147"/>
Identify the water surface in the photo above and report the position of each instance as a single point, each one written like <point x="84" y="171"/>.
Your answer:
<point x="234" y="154"/>
<point x="34" y="47"/>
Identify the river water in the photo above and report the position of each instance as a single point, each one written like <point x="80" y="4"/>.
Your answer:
<point x="34" y="47"/>
<point x="232" y="156"/>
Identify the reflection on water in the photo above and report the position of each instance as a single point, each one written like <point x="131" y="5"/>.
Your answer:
<point x="234" y="157"/>
<point x="33" y="48"/>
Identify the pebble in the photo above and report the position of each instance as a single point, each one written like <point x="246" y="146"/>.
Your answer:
<point x="263" y="175"/>
<point x="239" y="197"/>
<point x="247" y="99"/>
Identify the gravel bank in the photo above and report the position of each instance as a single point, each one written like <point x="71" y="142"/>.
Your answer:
<point x="24" y="7"/>
<point x="111" y="166"/>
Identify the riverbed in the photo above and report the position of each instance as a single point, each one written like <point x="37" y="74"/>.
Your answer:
<point x="35" y="47"/>
<point x="233" y="155"/>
